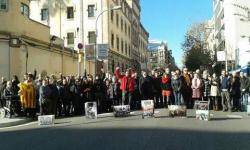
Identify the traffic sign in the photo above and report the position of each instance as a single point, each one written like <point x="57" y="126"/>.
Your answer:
<point x="102" y="51"/>
<point x="80" y="45"/>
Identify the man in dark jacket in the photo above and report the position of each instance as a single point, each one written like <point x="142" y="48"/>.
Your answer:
<point x="99" y="90"/>
<point x="54" y="96"/>
<point x="245" y="89"/>
<point x="225" y="88"/>
<point x="146" y="86"/>
<point x="65" y="96"/>
<point x="176" y="83"/>
<point x="157" y="89"/>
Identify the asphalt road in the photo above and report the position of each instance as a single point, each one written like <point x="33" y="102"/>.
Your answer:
<point x="109" y="133"/>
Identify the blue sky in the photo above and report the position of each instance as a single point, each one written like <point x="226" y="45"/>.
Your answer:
<point x="168" y="20"/>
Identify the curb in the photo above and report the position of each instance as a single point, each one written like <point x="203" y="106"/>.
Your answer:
<point x="15" y="123"/>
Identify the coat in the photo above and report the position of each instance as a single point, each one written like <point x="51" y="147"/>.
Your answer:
<point x="130" y="81"/>
<point x="196" y="88"/>
<point x="166" y="83"/>
<point x="146" y="87"/>
<point x="215" y="87"/>
<point x="176" y="84"/>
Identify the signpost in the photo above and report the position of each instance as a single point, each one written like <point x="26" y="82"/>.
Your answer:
<point x="102" y="51"/>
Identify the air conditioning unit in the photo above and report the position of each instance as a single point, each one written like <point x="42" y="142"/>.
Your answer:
<point x="15" y="42"/>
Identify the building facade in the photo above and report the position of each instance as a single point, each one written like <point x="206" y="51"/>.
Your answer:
<point x="160" y="56"/>
<point x="81" y="22"/>
<point x="232" y="32"/>
<point x="26" y="45"/>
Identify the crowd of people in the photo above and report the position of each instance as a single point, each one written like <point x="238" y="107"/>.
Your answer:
<point x="66" y="95"/>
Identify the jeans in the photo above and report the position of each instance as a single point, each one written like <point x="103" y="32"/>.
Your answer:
<point x="177" y="98"/>
<point x="226" y="101"/>
<point x="126" y="98"/>
<point x="244" y="101"/>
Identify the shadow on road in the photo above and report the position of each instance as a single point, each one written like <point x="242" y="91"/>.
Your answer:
<point x="122" y="139"/>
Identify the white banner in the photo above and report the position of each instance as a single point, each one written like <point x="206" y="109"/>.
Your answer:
<point x="91" y="110"/>
<point x="46" y="120"/>
<point x="221" y="56"/>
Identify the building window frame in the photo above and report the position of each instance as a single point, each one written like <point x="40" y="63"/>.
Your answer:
<point x="25" y="10"/>
<point x="70" y="38"/>
<point x="117" y="43"/>
<point x="112" y="40"/>
<point x="91" y="37"/>
<point x="70" y="12"/>
<point x="44" y="14"/>
<point x="3" y="5"/>
<point x="117" y="20"/>
<point x="91" y="10"/>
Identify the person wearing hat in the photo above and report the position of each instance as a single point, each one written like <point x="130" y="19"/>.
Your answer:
<point x="127" y="85"/>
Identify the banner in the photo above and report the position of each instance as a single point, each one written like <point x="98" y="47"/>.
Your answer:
<point x="46" y="120"/>
<point x="147" y="108"/>
<point x="177" y="111"/>
<point x="202" y="110"/>
<point x="91" y="110"/>
<point x="121" y="110"/>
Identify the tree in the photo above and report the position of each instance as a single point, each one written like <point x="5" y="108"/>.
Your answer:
<point x="196" y="55"/>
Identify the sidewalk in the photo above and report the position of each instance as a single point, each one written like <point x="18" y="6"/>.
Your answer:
<point x="7" y="122"/>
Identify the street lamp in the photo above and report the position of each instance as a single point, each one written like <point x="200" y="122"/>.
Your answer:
<point x="96" y="32"/>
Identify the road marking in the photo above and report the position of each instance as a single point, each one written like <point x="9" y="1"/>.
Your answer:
<point x="22" y="125"/>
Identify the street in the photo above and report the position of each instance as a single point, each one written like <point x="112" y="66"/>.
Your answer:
<point x="224" y="131"/>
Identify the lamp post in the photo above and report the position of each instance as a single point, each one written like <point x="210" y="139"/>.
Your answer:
<point x="96" y="32"/>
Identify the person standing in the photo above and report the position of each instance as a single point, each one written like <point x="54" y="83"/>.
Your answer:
<point x="225" y="86"/>
<point x="27" y="94"/>
<point x="166" y="89"/>
<point x="186" y="88"/>
<point x="196" y="88"/>
<point x="127" y="85"/>
<point x="99" y="91"/>
<point x="235" y="91"/>
<point x="45" y="97"/>
<point x="176" y="85"/>
<point x="244" y="87"/>
<point x="65" y="97"/>
<point x="146" y="86"/>
<point x="206" y="87"/>
<point x="157" y="89"/>
<point x="54" y="96"/>
<point x="215" y="81"/>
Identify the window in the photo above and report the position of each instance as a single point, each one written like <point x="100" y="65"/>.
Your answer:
<point x="125" y="26"/>
<point x="122" y="46"/>
<point x="117" y="20"/>
<point x="112" y="15"/>
<point x="121" y="24"/>
<point x="117" y="43"/>
<point x="91" y="10"/>
<point x="112" y="40"/>
<point x="70" y="12"/>
<point x="3" y="4"/>
<point x="92" y="37"/>
<point x="44" y="14"/>
<point x="126" y="48"/>
<point x="70" y="38"/>
<point x="25" y="9"/>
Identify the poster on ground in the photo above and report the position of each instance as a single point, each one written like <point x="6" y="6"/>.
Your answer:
<point x="147" y="108"/>
<point x="177" y="111"/>
<point x="202" y="110"/>
<point x="121" y="111"/>
<point x="46" y="120"/>
<point x="91" y="110"/>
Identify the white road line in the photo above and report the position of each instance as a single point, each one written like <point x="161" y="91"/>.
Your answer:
<point x="22" y="125"/>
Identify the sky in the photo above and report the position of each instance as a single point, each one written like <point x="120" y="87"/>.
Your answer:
<point x="168" y="20"/>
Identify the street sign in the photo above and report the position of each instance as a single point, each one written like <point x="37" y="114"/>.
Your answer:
<point x="102" y="51"/>
<point x="90" y="52"/>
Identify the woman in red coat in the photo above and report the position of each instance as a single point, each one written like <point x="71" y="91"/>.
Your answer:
<point x="166" y="88"/>
<point x="127" y="85"/>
